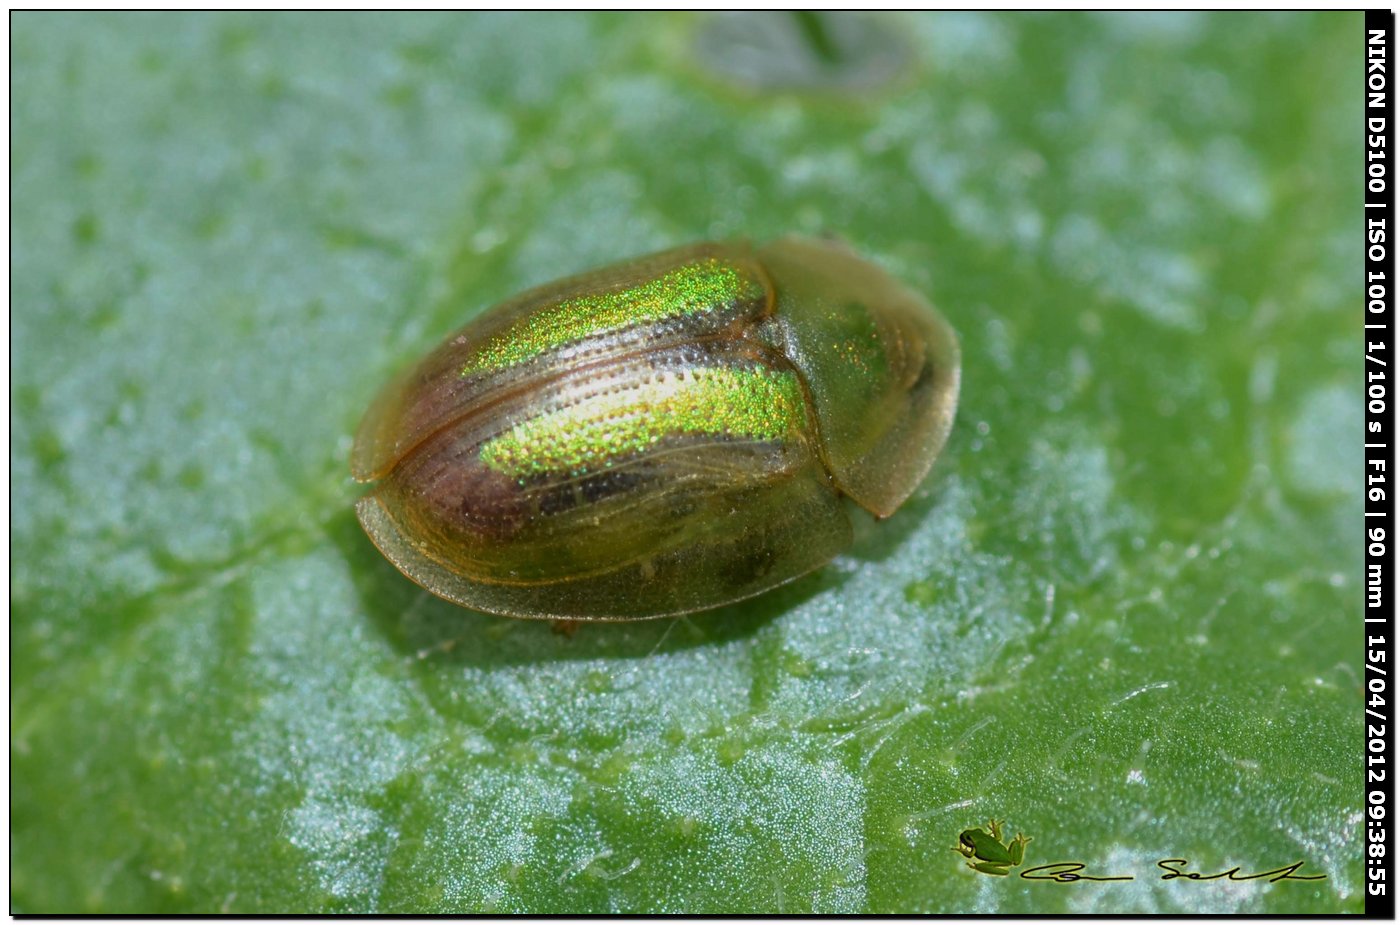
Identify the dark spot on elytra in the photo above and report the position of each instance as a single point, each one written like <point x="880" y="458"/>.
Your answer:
<point x="749" y="570"/>
<point x="480" y="499"/>
<point x="558" y="499"/>
<point x="606" y="484"/>
<point x="683" y="506"/>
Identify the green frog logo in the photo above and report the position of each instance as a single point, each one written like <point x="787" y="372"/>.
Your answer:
<point x="985" y="852"/>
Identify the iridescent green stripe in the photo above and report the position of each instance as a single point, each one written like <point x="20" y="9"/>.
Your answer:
<point x="704" y="285"/>
<point x="752" y="404"/>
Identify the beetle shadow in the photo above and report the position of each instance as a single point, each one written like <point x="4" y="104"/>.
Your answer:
<point x="423" y="626"/>
<point x="877" y="540"/>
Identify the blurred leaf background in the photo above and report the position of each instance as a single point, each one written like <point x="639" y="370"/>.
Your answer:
<point x="1122" y="614"/>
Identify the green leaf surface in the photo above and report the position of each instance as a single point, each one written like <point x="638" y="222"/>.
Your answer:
<point x="1122" y="614"/>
